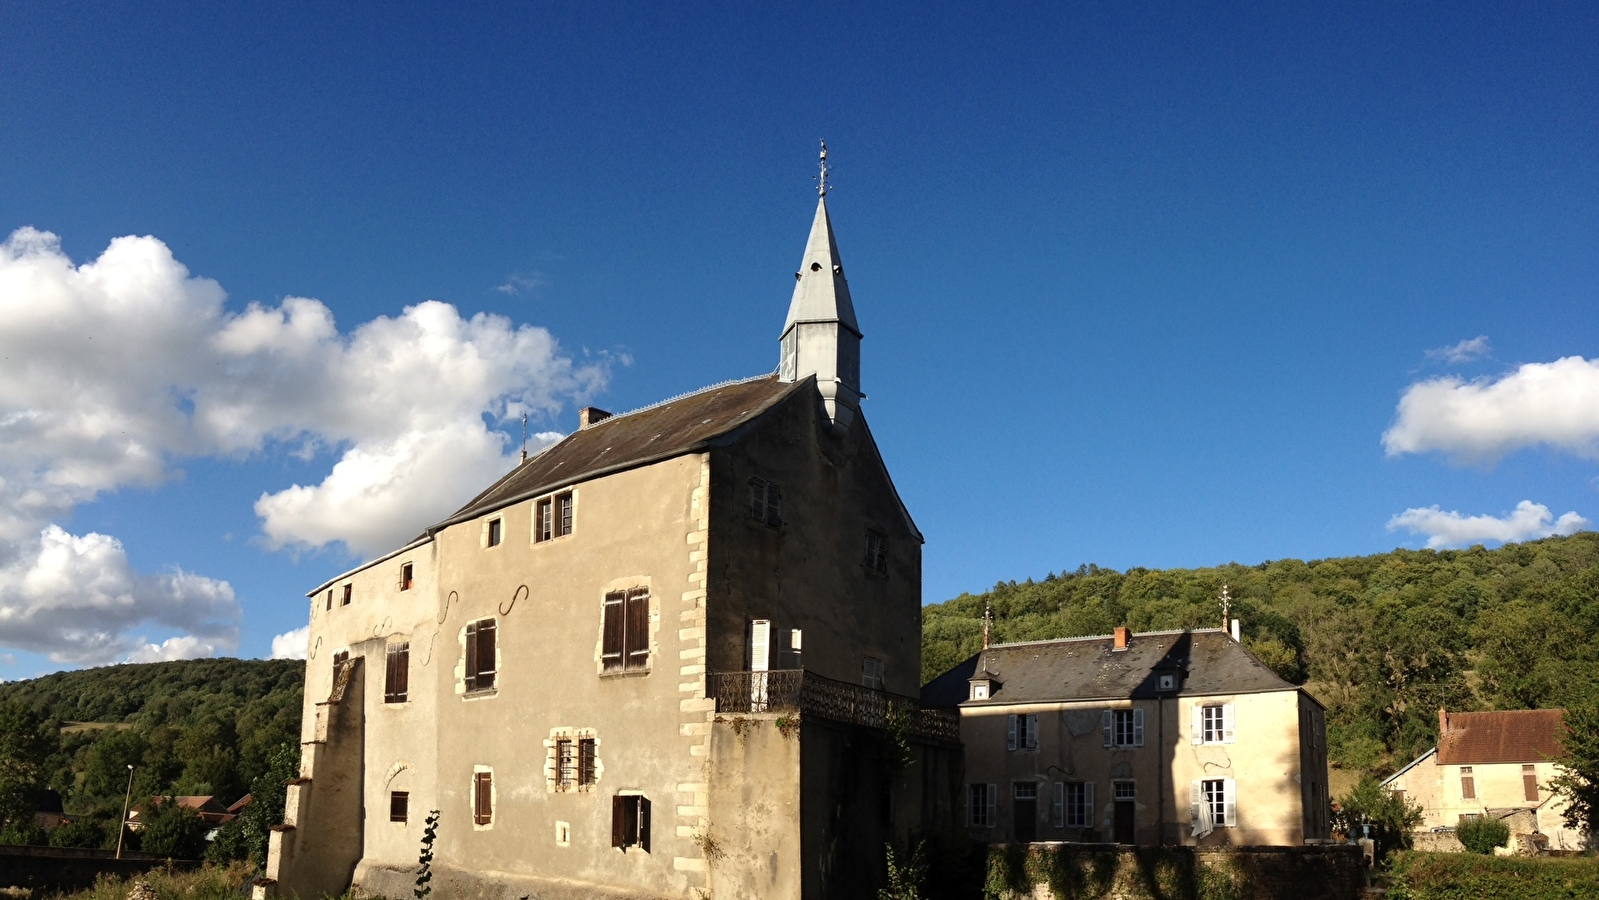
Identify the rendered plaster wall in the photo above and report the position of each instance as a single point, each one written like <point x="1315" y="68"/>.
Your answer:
<point x="810" y="573"/>
<point x="1264" y="759"/>
<point x="755" y="808"/>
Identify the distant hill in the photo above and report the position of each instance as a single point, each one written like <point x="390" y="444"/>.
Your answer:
<point x="1381" y="640"/>
<point x="202" y="726"/>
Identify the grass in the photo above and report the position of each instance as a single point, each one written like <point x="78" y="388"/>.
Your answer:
<point x="206" y="883"/>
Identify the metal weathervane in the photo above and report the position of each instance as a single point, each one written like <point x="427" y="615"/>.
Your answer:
<point x="824" y="170"/>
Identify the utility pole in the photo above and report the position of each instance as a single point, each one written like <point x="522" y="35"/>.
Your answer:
<point x="127" y="798"/>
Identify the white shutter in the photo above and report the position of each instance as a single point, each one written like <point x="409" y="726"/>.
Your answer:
<point x="993" y="801"/>
<point x="1198" y="810"/>
<point x="760" y="645"/>
<point x="1227" y="724"/>
<point x="1106" y="723"/>
<point x="1198" y="736"/>
<point x="1057" y="809"/>
<point x="1010" y="732"/>
<point x="1032" y="731"/>
<point x="1090" y="814"/>
<point x="1230" y="802"/>
<point x="1138" y="728"/>
<point x="483" y="538"/>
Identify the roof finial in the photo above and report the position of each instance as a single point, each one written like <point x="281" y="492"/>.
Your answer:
<point x="988" y="616"/>
<point x="524" y="437"/>
<point x="1226" y="607"/>
<point x="821" y="177"/>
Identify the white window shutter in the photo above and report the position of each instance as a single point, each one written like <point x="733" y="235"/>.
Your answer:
<point x="1107" y="721"/>
<point x="483" y="538"/>
<point x="1032" y="731"/>
<point x="1230" y="802"/>
<point x="1010" y="732"/>
<point x="1227" y="724"/>
<point x="1198" y="736"/>
<point x="1090" y="814"/>
<point x="1198" y="810"/>
<point x="993" y="801"/>
<point x="1057" y="809"/>
<point x="760" y="645"/>
<point x="1138" y="728"/>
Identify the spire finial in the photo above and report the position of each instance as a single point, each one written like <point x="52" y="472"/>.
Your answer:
<point x="824" y="169"/>
<point x="1226" y="606"/>
<point x="524" y="437"/>
<point x="988" y="616"/>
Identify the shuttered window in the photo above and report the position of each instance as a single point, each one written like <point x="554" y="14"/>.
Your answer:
<point x="330" y="599"/>
<point x="766" y="502"/>
<point x="482" y="798"/>
<point x="981" y="803"/>
<point x="1077" y="801"/>
<point x="630" y="822"/>
<point x="585" y="762"/>
<point x="626" y="641"/>
<point x="399" y="806"/>
<point x="876" y="552"/>
<point x="397" y="673"/>
<point x="1021" y="732"/>
<point x="1529" y="783"/>
<point x="1123" y="727"/>
<point x="1468" y="784"/>
<point x="480" y="655"/>
<point x="407" y="579"/>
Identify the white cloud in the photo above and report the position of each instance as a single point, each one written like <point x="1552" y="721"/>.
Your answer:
<point x="1528" y="521"/>
<point x="517" y="283"/>
<point x="1463" y="352"/>
<point x="1556" y="404"/>
<point x="185" y="646"/>
<point x="115" y="368"/>
<point x="292" y="644"/>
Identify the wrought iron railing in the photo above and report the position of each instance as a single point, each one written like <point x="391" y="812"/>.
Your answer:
<point x="809" y="693"/>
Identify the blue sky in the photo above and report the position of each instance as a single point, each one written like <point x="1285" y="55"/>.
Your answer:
<point x="1140" y="284"/>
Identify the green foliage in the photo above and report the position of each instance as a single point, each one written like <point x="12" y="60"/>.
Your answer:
<point x="1578" y="781"/>
<point x="1482" y="834"/>
<point x="246" y="837"/>
<point x="1382" y="641"/>
<point x="25" y="745"/>
<point x="85" y="833"/>
<point x="205" y="726"/>
<point x="25" y="831"/>
<point x="204" y="883"/>
<point x="173" y="831"/>
<point x="1392" y="817"/>
<point x="897" y="752"/>
<point x="424" y="859"/>
<point x="1468" y="876"/>
<point x="1078" y="873"/>
<point x="905" y="878"/>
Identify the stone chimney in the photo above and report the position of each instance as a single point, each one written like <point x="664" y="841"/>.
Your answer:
<point x="1443" y="722"/>
<point x="591" y="415"/>
<point x="1122" y="635"/>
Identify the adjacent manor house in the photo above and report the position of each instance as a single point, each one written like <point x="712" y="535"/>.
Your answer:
<point x="1495" y="764"/>
<point x="653" y="660"/>
<point x="1162" y="738"/>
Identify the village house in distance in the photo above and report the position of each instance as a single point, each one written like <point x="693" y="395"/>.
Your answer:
<point x="1164" y="738"/>
<point x="654" y="660"/>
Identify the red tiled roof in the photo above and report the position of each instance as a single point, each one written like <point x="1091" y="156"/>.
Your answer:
<point x="1507" y="736"/>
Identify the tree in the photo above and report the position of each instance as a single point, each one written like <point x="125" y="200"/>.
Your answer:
<point x="1391" y="816"/>
<point x="174" y="831"/>
<point x="1578" y="780"/>
<point x="246" y="837"/>
<point x="24" y="746"/>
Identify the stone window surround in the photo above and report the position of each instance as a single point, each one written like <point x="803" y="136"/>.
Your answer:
<point x="551" y="764"/>
<point x="533" y="517"/>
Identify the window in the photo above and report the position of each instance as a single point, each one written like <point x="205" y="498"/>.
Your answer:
<point x="627" y="631"/>
<point x="876" y="552"/>
<point x="482" y="798"/>
<point x="399" y="806"/>
<point x="979" y="690"/>
<point x="397" y="673"/>
<point x="1468" y="784"/>
<point x="872" y="673"/>
<point x="1213" y="724"/>
<point x="480" y="655"/>
<point x="552" y="517"/>
<point x="349" y="591"/>
<point x="766" y="502"/>
<point x="630" y="822"/>
<point x="585" y="763"/>
<point x="1529" y="783"/>
<point x="1125" y="790"/>
<point x="1213" y="804"/>
<point x="1168" y="682"/>
<point x="1216" y="800"/>
<point x="1021" y="732"/>
<point x="407" y="579"/>
<point x="491" y="532"/>
<point x="1123" y="727"/>
<point x="565" y="764"/>
<point x="330" y="599"/>
<point x="981" y="800"/>
<point x="339" y="659"/>
<point x="1074" y="804"/>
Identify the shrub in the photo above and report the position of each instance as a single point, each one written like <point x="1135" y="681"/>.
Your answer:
<point x="174" y="831"/>
<point x="86" y="833"/>
<point x="1391" y="816"/>
<point x="1482" y="834"/>
<point x="1452" y="876"/>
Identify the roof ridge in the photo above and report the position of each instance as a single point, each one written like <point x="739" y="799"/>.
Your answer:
<point x="1106" y="637"/>
<point x="676" y="397"/>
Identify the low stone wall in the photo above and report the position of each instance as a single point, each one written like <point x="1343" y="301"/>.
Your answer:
<point x="69" y="869"/>
<point x="1436" y="842"/>
<point x="1110" y="872"/>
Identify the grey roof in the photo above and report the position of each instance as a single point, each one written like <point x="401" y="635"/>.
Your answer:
<point x="1208" y="661"/>
<point x="820" y="292"/>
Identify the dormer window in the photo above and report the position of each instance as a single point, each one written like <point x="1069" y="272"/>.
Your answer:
<point x="979" y="690"/>
<point x="1168" y="682"/>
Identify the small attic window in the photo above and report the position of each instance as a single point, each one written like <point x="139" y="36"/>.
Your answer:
<point x="816" y="267"/>
<point x="1168" y="682"/>
<point x="979" y="690"/>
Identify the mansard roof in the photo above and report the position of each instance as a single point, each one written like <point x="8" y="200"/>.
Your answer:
<point x="674" y="427"/>
<point x="1207" y="661"/>
<point x="1503" y="736"/>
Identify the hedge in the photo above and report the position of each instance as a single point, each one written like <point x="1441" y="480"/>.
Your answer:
<point x="1467" y="876"/>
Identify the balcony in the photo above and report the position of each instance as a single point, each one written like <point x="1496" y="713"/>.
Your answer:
<point x="807" y="693"/>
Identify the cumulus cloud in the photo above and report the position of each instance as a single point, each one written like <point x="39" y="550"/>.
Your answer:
<point x="1554" y="404"/>
<point x="1528" y="521"/>
<point x="185" y="646"/>
<point x="118" y="367"/>
<point x="1463" y="352"/>
<point x="291" y="644"/>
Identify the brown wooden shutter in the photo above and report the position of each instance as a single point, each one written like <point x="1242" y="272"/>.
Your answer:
<point x="618" y="827"/>
<point x="485" y="654"/>
<point x="611" y="653"/>
<point x="483" y="798"/>
<point x="402" y="672"/>
<point x="637" y="631"/>
<point x="644" y="823"/>
<point x="471" y="656"/>
<point x="1529" y="783"/>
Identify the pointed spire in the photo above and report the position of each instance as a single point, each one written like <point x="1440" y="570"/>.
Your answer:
<point x="820" y="336"/>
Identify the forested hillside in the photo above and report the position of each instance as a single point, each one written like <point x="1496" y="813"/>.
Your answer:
<point x="1381" y="640"/>
<point x="205" y="726"/>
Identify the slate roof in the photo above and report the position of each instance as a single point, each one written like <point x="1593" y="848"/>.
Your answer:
<point x="1208" y="662"/>
<point x="672" y="428"/>
<point x="1506" y="736"/>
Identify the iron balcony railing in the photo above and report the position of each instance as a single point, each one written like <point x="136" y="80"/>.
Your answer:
<point x="796" y="690"/>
